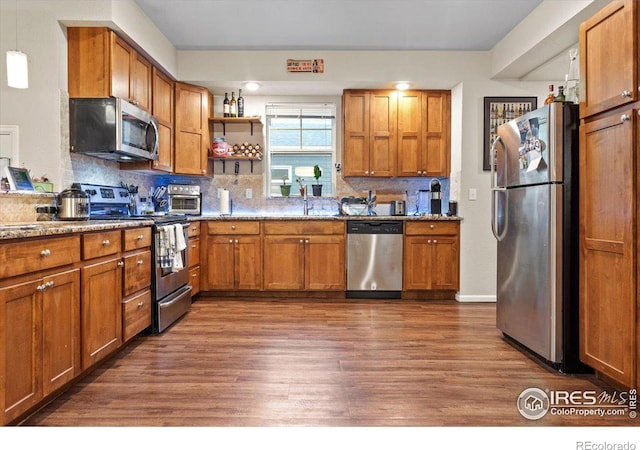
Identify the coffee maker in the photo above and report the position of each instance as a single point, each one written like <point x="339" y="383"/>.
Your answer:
<point x="436" y="198"/>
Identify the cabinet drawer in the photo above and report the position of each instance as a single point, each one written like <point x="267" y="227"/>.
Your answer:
<point x="95" y="245"/>
<point x="136" y="238"/>
<point x="194" y="251"/>
<point x="22" y="256"/>
<point x="194" y="229"/>
<point x="194" y="279"/>
<point x="431" y="227"/>
<point x="137" y="272"/>
<point x="233" y="227"/>
<point x="136" y="314"/>
<point x="294" y="227"/>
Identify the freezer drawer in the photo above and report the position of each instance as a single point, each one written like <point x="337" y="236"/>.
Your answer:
<point x="530" y="282"/>
<point x="171" y="308"/>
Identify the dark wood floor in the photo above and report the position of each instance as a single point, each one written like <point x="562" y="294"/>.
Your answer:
<point x="317" y="363"/>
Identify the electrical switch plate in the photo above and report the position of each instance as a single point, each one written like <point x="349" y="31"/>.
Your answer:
<point x="473" y="194"/>
<point x="248" y="193"/>
<point x="220" y="192"/>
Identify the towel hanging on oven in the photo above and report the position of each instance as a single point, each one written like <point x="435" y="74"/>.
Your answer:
<point x="180" y="245"/>
<point x="166" y="247"/>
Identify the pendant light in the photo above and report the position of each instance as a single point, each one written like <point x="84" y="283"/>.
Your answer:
<point x="17" y="66"/>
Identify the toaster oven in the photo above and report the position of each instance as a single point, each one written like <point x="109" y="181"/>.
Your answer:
<point x="184" y="199"/>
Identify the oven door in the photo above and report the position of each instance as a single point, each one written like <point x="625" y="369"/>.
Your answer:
<point x="184" y="204"/>
<point x="166" y="279"/>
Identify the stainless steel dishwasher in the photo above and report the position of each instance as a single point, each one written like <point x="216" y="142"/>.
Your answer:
<point x="374" y="259"/>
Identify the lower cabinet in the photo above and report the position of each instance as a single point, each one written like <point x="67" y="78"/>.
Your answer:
<point x="431" y="256"/>
<point x="304" y="255"/>
<point x="194" y="257"/>
<point x="40" y="338"/>
<point x="234" y="262"/>
<point x="136" y="314"/>
<point x="101" y="310"/>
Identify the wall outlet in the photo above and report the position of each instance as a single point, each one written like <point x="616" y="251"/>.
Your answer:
<point x="473" y="194"/>
<point x="220" y="192"/>
<point x="248" y="193"/>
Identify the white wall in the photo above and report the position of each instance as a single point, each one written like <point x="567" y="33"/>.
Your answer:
<point x="37" y="110"/>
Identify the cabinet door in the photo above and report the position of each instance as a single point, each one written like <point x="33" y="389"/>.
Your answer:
<point x="436" y="133"/>
<point x="101" y="310"/>
<point x="409" y="134"/>
<point x="141" y="81"/>
<point x="325" y="263"/>
<point x="162" y="109"/>
<point x="608" y="251"/>
<point x="417" y="266"/>
<point x="248" y="262"/>
<point x="194" y="251"/>
<point x="445" y="267"/>
<point x="608" y="58"/>
<point x="61" y="329"/>
<point x="88" y="51"/>
<point x="20" y="349"/>
<point x="607" y="295"/>
<point x="283" y="263"/>
<point x="194" y="280"/>
<point x="383" y="122"/>
<point x="220" y="267"/>
<point x="137" y="272"/>
<point x="121" y="57"/>
<point x="355" y="156"/>
<point x="191" y="129"/>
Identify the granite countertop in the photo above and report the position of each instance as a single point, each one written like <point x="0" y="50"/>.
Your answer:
<point x="35" y="229"/>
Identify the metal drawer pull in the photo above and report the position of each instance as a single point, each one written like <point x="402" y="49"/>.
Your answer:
<point x="194" y="246"/>
<point x="140" y="304"/>
<point x="230" y="241"/>
<point x="302" y="241"/>
<point x="435" y="241"/>
<point x="45" y="252"/>
<point x="140" y="237"/>
<point x="236" y="241"/>
<point x="419" y="172"/>
<point x="428" y="241"/>
<point x="140" y="262"/>
<point x="49" y="284"/>
<point x="624" y="118"/>
<point x="306" y="241"/>
<point x="625" y="94"/>
<point x="432" y="226"/>
<point x="120" y="263"/>
<point x="106" y="242"/>
<point x="41" y="288"/>
<point x="372" y="172"/>
<point x="233" y="227"/>
<point x="194" y="228"/>
<point x="366" y="172"/>
<point x="193" y="275"/>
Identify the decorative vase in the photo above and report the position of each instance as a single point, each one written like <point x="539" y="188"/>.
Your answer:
<point x="285" y="190"/>
<point x="317" y="190"/>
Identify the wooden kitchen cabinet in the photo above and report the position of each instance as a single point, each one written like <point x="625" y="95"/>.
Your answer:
<point x="431" y="256"/>
<point x="102" y="64"/>
<point x="40" y="340"/>
<point x="137" y="267"/>
<point x="308" y="255"/>
<point x="163" y="110"/>
<point x="609" y="142"/>
<point x="101" y="308"/>
<point x="609" y="58"/>
<point x="137" y="272"/>
<point x="233" y="259"/>
<point x="194" y="257"/>
<point x="370" y="139"/>
<point x="191" y="129"/>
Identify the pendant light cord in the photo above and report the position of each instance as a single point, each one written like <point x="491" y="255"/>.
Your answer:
<point x="16" y="24"/>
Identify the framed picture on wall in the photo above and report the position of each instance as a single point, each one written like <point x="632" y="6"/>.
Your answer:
<point x="499" y="110"/>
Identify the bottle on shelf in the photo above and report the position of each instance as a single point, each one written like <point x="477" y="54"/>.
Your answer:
<point x="560" y="97"/>
<point x="240" y="104"/>
<point x="233" y="107"/>
<point x="572" y="79"/>
<point x="225" y="105"/>
<point x="551" y="97"/>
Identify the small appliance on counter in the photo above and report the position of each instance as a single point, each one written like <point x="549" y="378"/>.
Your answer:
<point x="73" y="204"/>
<point x="435" y="206"/>
<point x="184" y="199"/>
<point x="398" y="208"/>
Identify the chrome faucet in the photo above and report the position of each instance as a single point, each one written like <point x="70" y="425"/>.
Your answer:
<point x="305" y="199"/>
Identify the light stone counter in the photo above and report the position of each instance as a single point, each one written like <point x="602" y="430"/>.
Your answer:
<point x="36" y="229"/>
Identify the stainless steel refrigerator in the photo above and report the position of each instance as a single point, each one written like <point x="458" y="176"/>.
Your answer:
<point x="534" y="183"/>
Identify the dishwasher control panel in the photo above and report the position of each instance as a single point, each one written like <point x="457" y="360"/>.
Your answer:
<point x="374" y="227"/>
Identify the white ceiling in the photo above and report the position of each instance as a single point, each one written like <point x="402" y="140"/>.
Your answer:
<point x="336" y="24"/>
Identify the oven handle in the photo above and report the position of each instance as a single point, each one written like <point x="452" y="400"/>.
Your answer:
<point x="168" y="304"/>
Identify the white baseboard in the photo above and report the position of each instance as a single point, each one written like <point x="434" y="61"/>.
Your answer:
<point x="475" y="298"/>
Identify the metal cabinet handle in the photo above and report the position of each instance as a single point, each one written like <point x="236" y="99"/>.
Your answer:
<point x="45" y="252"/>
<point x="41" y="288"/>
<point x="230" y="241"/>
<point x="366" y="172"/>
<point x="120" y="263"/>
<point x="236" y="241"/>
<point x="49" y="284"/>
<point x="140" y="262"/>
<point x="302" y="241"/>
<point x="428" y="241"/>
<point x="624" y="118"/>
<point x="233" y="227"/>
<point x="372" y="172"/>
<point x="193" y="275"/>
<point x="140" y="304"/>
<point x="140" y="237"/>
<point x="106" y="242"/>
<point x="419" y="172"/>
<point x="306" y="241"/>
<point x="432" y="226"/>
<point x="194" y="228"/>
<point x="625" y="94"/>
<point x="194" y="246"/>
<point x="435" y="241"/>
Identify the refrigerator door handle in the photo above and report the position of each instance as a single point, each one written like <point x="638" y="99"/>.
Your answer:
<point x="495" y="190"/>
<point x="494" y="215"/>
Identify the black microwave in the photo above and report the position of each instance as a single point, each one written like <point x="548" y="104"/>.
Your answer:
<point x="112" y="128"/>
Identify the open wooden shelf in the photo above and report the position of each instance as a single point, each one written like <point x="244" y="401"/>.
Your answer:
<point x="239" y="120"/>
<point x="235" y="159"/>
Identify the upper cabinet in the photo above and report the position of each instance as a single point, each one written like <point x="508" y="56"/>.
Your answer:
<point x="191" y="129"/>
<point x="389" y="133"/>
<point x="608" y="58"/>
<point x="162" y="109"/>
<point x="101" y="64"/>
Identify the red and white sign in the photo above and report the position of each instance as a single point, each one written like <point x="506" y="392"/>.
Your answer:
<point x="305" y="65"/>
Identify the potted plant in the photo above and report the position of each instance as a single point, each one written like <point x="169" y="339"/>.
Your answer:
<point x="317" y="188"/>
<point x="300" y="182"/>
<point x="285" y="189"/>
